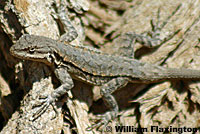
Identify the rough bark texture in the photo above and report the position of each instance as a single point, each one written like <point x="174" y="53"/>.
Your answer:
<point x="165" y="104"/>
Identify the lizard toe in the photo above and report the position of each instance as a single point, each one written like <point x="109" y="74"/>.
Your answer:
<point x="44" y="104"/>
<point x="103" y="121"/>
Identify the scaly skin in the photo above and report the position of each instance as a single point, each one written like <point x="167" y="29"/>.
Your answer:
<point x="93" y="67"/>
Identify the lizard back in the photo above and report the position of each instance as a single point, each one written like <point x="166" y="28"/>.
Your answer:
<point x="101" y="64"/>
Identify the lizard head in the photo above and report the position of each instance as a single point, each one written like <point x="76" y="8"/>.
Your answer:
<point x="32" y="47"/>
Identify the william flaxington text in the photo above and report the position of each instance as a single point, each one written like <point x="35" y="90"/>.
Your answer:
<point x="155" y="129"/>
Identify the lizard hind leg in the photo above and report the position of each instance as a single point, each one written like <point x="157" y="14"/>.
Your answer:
<point x="106" y="92"/>
<point x="152" y="37"/>
<point x="124" y="44"/>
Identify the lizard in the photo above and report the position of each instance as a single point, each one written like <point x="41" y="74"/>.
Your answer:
<point x="110" y="72"/>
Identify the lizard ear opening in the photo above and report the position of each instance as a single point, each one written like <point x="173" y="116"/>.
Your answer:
<point x="31" y="50"/>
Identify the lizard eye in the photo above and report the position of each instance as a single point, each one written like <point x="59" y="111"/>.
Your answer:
<point x="31" y="50"/>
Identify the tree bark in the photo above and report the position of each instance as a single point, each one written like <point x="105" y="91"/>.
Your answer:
<point x="22" y="83"/>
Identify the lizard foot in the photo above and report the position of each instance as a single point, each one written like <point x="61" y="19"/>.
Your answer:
<point x="44" y="104"/>
<point x="103" y="121"/>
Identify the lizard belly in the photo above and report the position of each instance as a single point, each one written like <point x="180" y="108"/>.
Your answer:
<point x="78" y="74"/>
<point x="91" y="79"/>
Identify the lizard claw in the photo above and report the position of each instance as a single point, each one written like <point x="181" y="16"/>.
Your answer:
<point x="103" y="121"/>
<point x="45" y="103"/>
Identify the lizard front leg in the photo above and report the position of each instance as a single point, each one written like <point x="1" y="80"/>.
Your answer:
<point x="66" y="84"/>
<point x="65" y="21"/>
<point x="106" y="92"/>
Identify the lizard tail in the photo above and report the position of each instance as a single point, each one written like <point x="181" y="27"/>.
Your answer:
<point x="181" y="73"/>
<point x="160" y="73"/>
